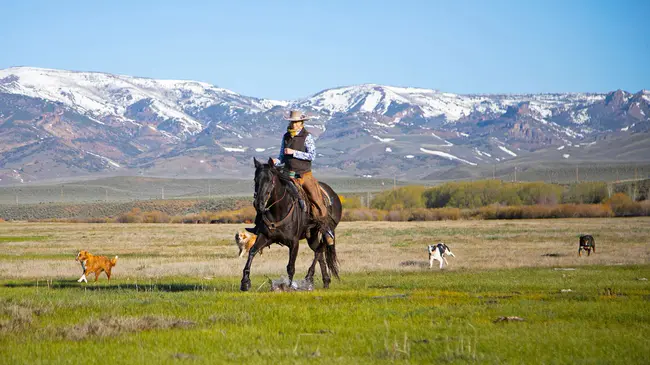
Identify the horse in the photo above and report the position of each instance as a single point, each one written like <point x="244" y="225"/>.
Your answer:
<point x="282" y="219"/>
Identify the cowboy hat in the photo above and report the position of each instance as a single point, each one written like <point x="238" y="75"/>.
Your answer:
<point x="296" y="116"/>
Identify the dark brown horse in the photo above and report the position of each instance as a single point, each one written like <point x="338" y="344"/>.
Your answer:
<point x="282" y="219"/>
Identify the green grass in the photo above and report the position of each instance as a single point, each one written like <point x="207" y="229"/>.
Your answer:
<point x="381" y="317"/>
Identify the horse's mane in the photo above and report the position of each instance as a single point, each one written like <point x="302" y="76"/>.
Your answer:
<point x="283" y="175"/>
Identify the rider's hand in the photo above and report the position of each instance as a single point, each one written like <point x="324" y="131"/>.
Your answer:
<point x="289" y="151"/>
<point x="276" y="161"/>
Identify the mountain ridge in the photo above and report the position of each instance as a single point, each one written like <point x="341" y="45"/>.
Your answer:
<point x="57" y="123"/>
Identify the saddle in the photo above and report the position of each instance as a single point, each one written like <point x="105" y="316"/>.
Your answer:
<point x="304" y="199"/>
<point x="304" y="202"/>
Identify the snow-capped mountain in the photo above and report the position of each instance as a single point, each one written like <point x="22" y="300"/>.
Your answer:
<point x="56" y="123"/>
<point x="104" y="97"/>
<point x="394" y="101"/>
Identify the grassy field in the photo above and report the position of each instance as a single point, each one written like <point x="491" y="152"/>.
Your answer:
<point x="175" y="296"/>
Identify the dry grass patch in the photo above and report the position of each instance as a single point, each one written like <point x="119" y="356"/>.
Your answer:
<point x="17" y="316"/>
<point x="155" y="251"/>
<point x="115" y="326"/>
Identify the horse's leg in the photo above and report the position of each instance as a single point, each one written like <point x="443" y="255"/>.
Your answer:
<point x="291" y="266"/>
<point x="315" y="246"/>
<point x="312" y="269"/>
<point x="323" y="267"/>
<point x="260" y="243"/>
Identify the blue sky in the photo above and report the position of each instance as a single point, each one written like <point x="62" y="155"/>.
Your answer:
<point x="291" y="49"/>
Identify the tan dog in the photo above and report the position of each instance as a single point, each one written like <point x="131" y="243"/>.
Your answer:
<point x="96" y="264"/>
<point x="245" y="241"/>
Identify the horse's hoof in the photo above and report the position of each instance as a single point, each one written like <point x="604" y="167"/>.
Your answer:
<point x="245" y="285"/>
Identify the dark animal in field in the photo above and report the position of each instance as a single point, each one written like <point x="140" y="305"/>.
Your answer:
<point x="587" y="243"/>
<point x="282" y="219"/>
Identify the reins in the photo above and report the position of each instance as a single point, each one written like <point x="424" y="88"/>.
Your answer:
<point x="271" y="225"/>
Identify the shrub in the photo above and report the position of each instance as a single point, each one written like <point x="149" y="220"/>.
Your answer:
<point x="244" y="215"/>
<point x="586" y="193"/>
<point x="439" y="214"/>
<point x="403" y="198"/>
<point x="134" y="216"/>
<point x="363" y="214"/>
<point x="623" y="206"/>
<point x="155" y="217"/>
<point x="350" y="202"/>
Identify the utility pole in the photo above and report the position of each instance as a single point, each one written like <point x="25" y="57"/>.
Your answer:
<point x="515" y="173"/>
<point x="367" y="199"/>
<point x="162" y="192"/>
<point x="577" y="176"/>
<point x="494" y="171"/>
<point x="105" y="194"/>
<point x="394" y="182"/>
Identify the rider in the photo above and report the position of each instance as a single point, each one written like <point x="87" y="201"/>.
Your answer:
<point x="297" y="151"/>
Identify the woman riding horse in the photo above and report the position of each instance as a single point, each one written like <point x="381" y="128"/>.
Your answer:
<point x="279" y="221"/>
<point x="297" y="152"/>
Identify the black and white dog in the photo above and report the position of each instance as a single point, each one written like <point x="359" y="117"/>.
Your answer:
<point x="438" y="252"/>
<point x="587" y="243"/>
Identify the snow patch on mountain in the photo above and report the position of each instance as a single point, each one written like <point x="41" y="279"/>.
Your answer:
<point x="504" y="149"/>
<point x="447" y="143"/>
<point x="580" y="117"/>
<point x="383" y="139"/>
<point x="446" y="155"/>
<point x="108" y="160"/>
<point x="234" y="149"/>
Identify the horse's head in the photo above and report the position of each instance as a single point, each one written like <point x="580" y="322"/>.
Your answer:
<point x="266" y="179"/>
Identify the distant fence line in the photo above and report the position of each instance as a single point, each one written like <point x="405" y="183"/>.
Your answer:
<point x="80" y="192"/>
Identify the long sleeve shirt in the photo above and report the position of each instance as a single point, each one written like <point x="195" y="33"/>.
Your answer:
<point x="309" y="154"/>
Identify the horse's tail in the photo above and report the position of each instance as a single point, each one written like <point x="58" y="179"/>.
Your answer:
<point x="332" y="260"/>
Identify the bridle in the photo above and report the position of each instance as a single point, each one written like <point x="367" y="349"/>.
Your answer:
<point x="271" y="225"/>
<point x="268" y="195"/>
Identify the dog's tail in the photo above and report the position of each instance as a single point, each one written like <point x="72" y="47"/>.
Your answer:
<point x="114" y="261"/>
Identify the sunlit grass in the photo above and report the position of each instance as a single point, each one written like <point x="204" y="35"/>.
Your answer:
<point x="174" y="296"/>
<point x="421" y="317"/>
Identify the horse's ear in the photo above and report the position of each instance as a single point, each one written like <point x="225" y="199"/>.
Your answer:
<point x="257" y="163"/>
<point x="271" y="163"/>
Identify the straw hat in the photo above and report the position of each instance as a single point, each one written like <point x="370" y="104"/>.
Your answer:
<point x="296" y="116"/>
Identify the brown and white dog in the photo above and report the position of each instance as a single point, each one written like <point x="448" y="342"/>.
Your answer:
<point x="91" y="263"/>
<point x="245" y="241"/>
